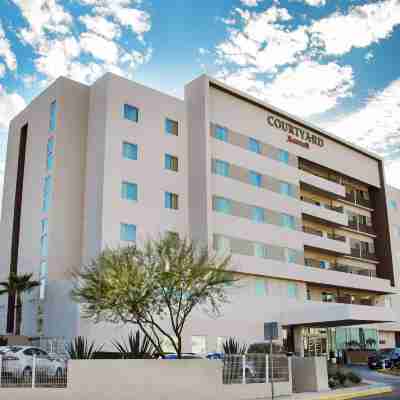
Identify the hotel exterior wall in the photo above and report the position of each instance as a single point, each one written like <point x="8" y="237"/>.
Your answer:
<point x="148" y="212"/>
<point x="246" y="118"/>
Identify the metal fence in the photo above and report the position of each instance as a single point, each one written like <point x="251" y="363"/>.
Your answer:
<point x="35" y="373"/>
<point x="255" y="368"/>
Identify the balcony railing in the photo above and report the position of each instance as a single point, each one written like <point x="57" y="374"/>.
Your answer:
<point x="354" y="300"/>
<point x="363" y="202"/>
<point x="312" y="231"/>
<point x="329" y="177"/>
<point x="313" y="263"/>
<point x="338" y="209"/>
<point x="339" y="238"/>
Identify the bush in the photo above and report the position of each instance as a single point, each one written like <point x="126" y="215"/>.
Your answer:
<point x="340" y="376"/>
<point x="263" y="348"/>
<point x="353" y="377"/>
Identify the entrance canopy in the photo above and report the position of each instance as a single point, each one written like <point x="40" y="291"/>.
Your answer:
<point x="329" y="315"/>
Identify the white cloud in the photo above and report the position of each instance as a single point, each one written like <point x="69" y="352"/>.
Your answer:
<point x="250" y="3"/>
<point x="375" y="126"/>
<point x="306" y="89"/>
<point x="363" y="25"/>
<point x="101" y="26"/>
<point x="58" y="45"/>
<point x="99" y="47"/>
<point x="263" y="43"/>
<point x="5" y="51"/>
<point x="10" y="105"/>
<point x="315" y="3"/>
<point x="369" y="57"/>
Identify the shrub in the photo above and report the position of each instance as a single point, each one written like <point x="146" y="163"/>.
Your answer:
<point x="81" y="349"/>
<point x="353" y="377"/>
<point x="263" y="348"/>
<point x="340" y="376"/>
<point x="232" y="346"/>
<point x="136" y="347"/>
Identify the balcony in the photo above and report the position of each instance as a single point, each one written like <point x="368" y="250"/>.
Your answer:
<point x="324" y="212"/>
<point x="359" y="253"/>
<point x="358" y="199"/>
<point x="313" y="263"/>
<point x="321" y="182"/>
<point x="364" y="228"/>
<point x="320" y="240"/>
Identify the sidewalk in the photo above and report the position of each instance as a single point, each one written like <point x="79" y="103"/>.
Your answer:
<point x="342" y="394"/>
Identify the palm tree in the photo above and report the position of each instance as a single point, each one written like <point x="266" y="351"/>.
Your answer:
<point x="16" y="285"/>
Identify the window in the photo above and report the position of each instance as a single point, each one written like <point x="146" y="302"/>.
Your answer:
<point x="42" y="279"/>
<point x="393" y="204"/>
<point x="288" y="221"/>
<point x="222" y="205"/>
<point x="53" y="116"/>
<point x="131" y="113"/>
<point x="171" y="162"/>
<point x="50" y="154"/>
<point x="171" y="200"/>
<point x="44" y="246"/>
<point x="129" y="151"/>
<point x="129" y="191"/>
<point x="171" y="127"/>
<point x="260" y="250"/>
<point x="292" y="290"/>
<point x="222" y="244"/>
<point x="128" y="232"/>
<point x="221" y="167"/>
<point x="261" y="287"/>
<point x="327" y="297"/>
<point x="283" y="156"/>
<point x="257" y="214"/>
<point x="255" y="178"/>
<point x="285" y="188"/>
<point x="254" y="145"/>
<point x="47" y="193"/>
<point x="199" y="345"/>
<point x="221" y="133"/>
<point x="291" y="256"/>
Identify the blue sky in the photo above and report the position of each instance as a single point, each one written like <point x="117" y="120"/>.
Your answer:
<point x="333" y="62"/>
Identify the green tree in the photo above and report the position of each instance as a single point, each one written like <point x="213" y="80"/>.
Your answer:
<point x="16" y="285"/>
<point x="155" y="287"/>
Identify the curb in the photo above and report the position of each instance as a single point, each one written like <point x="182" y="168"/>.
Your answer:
<point x="353" y="395"/>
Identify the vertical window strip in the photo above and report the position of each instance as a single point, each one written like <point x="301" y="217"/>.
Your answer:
<point x="131" y="113"/>
<point x="129" y="191"/>
<point x="171" y="201"/>
<point x="221" y="133"/>
<point x="47" y="192"/>
<point x="53" y="116"/>
<point x="171" y="127"/>
<point x="221" y="168"/>
<point x="128" y="232"/>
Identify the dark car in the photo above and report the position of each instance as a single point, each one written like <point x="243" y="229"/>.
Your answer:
<point x="385" y="358"/>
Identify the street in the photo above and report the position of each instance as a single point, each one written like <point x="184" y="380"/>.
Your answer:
<point x="394" y="381"/>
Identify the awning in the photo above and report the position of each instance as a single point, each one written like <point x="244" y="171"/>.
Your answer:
<point x="328" y="315"/>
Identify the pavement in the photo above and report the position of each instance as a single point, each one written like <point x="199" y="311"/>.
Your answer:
<point x="371" y="375"/>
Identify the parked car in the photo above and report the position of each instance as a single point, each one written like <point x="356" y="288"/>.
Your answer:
<point x="173" y="356"/>
<point x="385" y="358"/>
<point x="19" y="360"/>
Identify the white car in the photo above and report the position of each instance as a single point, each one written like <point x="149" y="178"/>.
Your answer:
<point x="18" y="360"/>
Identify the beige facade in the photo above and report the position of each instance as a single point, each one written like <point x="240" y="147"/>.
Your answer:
<point x="307" y="216"/>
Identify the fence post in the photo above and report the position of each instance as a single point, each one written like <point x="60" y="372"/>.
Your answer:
<point x="266" y="369"/>
<point x="33" y="370"/>
<point x="244" y="368"/>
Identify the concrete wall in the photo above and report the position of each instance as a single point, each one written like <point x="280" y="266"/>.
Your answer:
<point x="309" y="374"/>
<point x="148" y="379"/>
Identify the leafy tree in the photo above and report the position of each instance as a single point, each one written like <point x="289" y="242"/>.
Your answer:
<point x="16" y="285"/>
<point x="136" y="347"/>
<point x="155" y="287"/>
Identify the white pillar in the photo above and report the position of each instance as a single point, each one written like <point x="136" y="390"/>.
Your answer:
<point x="298" y="341"/>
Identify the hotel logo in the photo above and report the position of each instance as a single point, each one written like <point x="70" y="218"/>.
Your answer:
<point x="295" y="134"/>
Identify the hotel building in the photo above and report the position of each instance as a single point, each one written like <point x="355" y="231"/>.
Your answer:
<point x="312" y="228"/>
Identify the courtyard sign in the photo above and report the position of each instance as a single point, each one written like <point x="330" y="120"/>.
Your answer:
<point x="296" y="135"/>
